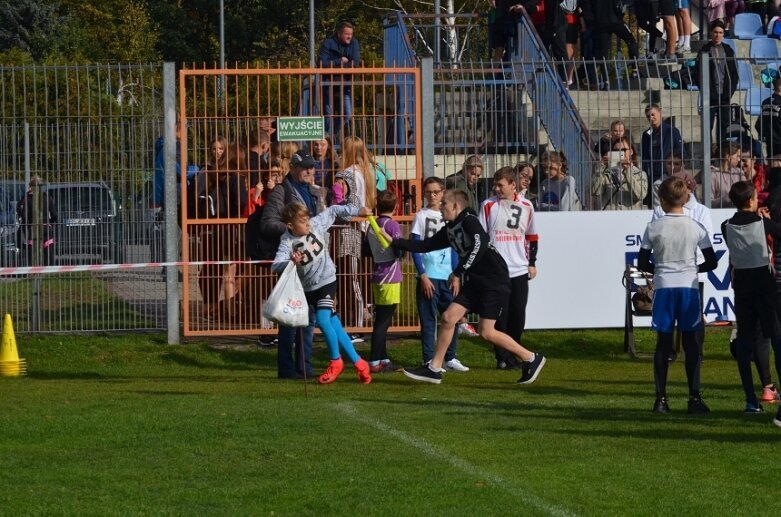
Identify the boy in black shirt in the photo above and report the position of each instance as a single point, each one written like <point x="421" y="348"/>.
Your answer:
<point x="752" y="280"/>
<point x="480" y="283"/>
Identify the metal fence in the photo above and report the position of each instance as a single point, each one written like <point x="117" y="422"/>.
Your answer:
<point x="89" y="132"/>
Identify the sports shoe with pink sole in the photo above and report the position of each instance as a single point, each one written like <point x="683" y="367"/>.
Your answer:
<point x="770" y="395"/>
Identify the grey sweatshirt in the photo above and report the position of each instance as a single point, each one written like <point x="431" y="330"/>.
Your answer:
<point x="317" y="269"/>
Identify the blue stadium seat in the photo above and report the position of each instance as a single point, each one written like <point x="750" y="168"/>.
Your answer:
<point x="745" y="75"/>
<point x="764" y="49"/>
<point x="754" y="98"/>
<point x="731" y="44"/>
<point x="748" y="26"/>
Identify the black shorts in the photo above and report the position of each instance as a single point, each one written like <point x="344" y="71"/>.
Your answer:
<point x="486" y="302"/>
<point x="759" y="310"/>
<point x="572" y="34"/>
<point x="323" y="297"/>
<point x="666" y="7"/>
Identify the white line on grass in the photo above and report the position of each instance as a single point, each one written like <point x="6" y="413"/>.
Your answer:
<point x="464" y="466"/>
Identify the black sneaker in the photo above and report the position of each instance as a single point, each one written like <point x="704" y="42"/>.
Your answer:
<point x="753" y="408"/>
<point x="267" y="342"/>
<point x="697" y="406"/>
<point x="530" y="370"/>
<point x="660" y="406"/>
<point x="424" y="374"/>
<point x="777" y="419"/>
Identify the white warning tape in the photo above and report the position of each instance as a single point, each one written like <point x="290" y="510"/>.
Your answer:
<point x="33" y="270"/>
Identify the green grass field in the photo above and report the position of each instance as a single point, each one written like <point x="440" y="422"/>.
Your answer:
<point x="126" y="425"/>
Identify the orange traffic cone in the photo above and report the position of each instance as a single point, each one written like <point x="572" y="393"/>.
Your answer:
<point x="10" y="364"/>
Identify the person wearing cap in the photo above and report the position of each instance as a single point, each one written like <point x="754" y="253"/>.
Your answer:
<point x="723" y="73"/>
<point x="468" y="180"/>
<point x="298" y="186"/>
<point x="769" y="122"/>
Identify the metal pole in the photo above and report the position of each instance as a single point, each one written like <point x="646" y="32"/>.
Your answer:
<point x="170" y="188"/>
<point x="312" y="33"/>
<point x="34" y="227"/>
<point x="705" y="129"/>
<point x="437" y="29"/>
<point x="427" y="115"/>
<point x="222" y="49"/>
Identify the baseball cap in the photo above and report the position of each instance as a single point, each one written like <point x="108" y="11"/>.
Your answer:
<point x="691" y="183"/>
<point x="303" y="160"/>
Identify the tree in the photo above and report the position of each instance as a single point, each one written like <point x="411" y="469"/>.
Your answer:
<point x="28" y="25"/>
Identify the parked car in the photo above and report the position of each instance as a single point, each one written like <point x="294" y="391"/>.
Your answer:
<point x="11" y="192"/>
<point x="87" y="222"/>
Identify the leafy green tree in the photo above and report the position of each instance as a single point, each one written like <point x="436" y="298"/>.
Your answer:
<point x="28" y="26"/>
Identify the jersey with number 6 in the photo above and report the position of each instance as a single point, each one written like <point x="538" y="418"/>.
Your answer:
<point x="510" y="224"/>
<point x="316" y="269"/>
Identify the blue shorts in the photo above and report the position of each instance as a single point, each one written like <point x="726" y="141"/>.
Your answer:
<point x="681" y="4"/>
<point x="676" y="304"/>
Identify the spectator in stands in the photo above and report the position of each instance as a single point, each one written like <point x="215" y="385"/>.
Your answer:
<point x="717" y="11"/>
<point x="605" y="144"/>
<point x="297" y="186"/>
<point x="658" y="141"/>
<point x="725" y="173"/>
<point x="684" y="26"/>
<point x="258" y="156"/>
<point x="527" y="187"/>
<point x="341" y="50"/>
<point x="667" y="12"/>
<point x="325" y="162"/>
<point x="733" y="7"/>
<point x="382" y="174"/>
<point x="764" y="8"/>
<point x="723" y="73"/>
<point x="554" y="34"/>
<point x="673" y="166"/>
<point x="469" y="180"/>
<point x="504" y="27"/>
<point x="588" y="44"/>
<point x="573" y="13"/>
<point x="769" y="122"/>
<point x="609" y="20"/>
<point x="754" y="172"/>
<point x="647" y="12"/>
<point x="620" y="186"/>
<point x="557" y="190"/>
<point x="159" y="185"/>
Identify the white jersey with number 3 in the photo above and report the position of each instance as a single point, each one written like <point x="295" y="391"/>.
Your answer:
<point x="510" y="224"/>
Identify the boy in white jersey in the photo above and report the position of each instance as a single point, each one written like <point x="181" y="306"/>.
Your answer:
<point x="508" y="218"/>
<point x="306" y="243"/>
<point x="479" y="284"/>
<point x="674" y="240"/>
<point x="433" y="268"/>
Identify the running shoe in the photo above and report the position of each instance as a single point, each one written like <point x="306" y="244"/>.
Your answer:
<point x="467" y="330"/>
<point x="697" y="406"/>
<point x="364" y="375"/>
<point x="660" y="406"/>
<point x="531" y="369"/>
<point x="333" y="371"/>
<point x="424" y="374"/>
<point x="770" y="395"/>
<point x="454" y="365"/>
<point x="753" y="408"/>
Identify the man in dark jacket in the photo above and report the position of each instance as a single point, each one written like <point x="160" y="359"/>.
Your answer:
<point x="769" y="123"/>
<point x="341" y="50"/>
<point x="298" y="186"/>
<point x="723" y="73"/>
<point x="469" y="180"/>
<point x="658" y="141"/>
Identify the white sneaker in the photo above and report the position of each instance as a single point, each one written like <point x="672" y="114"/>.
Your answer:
<point x="467" y="330"/>
<point x="454" y="365"/>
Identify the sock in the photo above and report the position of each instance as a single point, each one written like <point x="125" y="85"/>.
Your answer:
<point x="680" y="41"/>
<point x="664" y="346"/>
<point x="692" y="351"/>
<point x="344" y="340"/>
<point x="323" y="321"/>
<point x="533" y="357"/>
<point x="687" y="40"/>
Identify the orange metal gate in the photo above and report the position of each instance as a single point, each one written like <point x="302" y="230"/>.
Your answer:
<point x="232" y="106"/>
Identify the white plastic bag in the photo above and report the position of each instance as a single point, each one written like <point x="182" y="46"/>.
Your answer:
<point x="287" y="302"/>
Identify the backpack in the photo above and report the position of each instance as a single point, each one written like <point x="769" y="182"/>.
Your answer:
<point x="736" y="116"/>
<point x="259" y="245"/>
<point x="200" y="204"/>
<point x="682" y="79"/>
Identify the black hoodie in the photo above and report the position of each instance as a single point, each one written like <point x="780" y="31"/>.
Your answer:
<point x="478" y="260"/>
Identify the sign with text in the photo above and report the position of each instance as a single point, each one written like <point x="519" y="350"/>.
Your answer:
<point x="296" y="129"/>
<point x="580" y="262"/>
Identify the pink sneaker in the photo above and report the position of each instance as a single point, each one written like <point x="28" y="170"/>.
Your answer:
<point x="770" y="395"/>
<point x="364" y="375"/>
